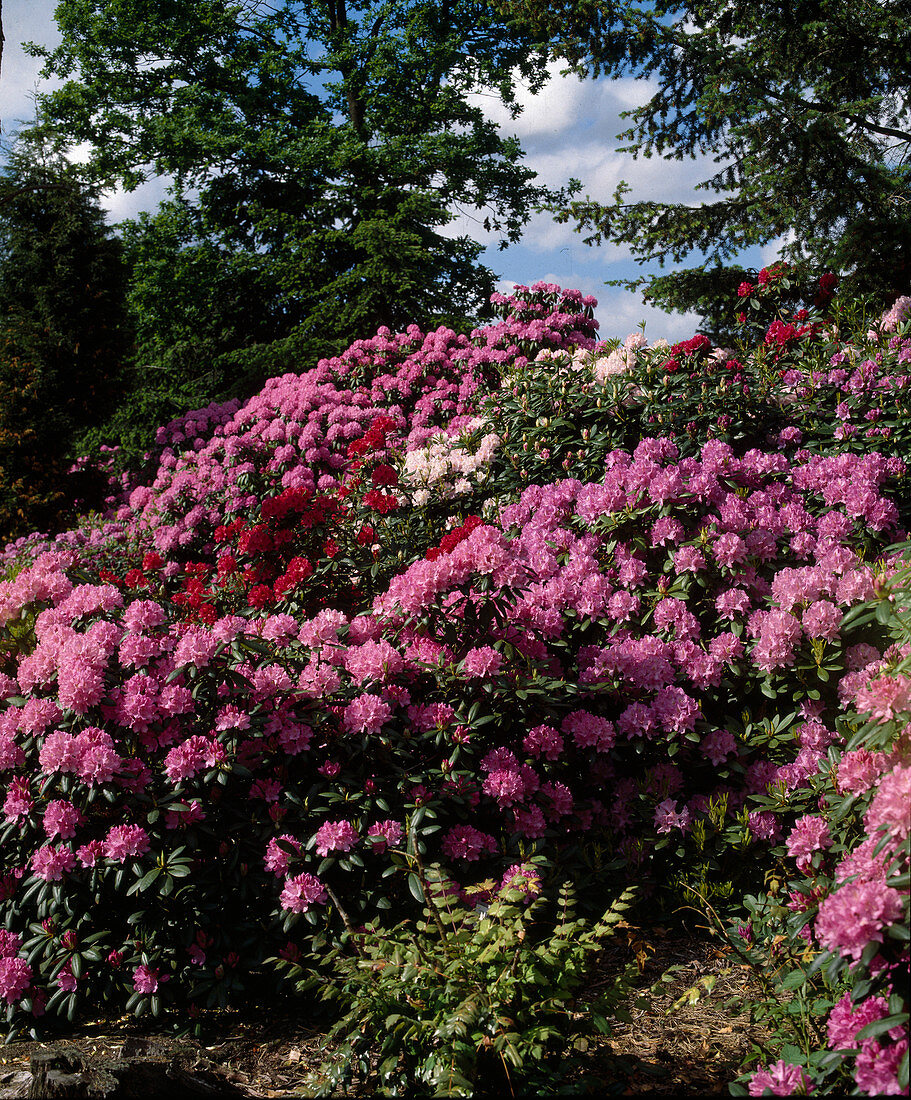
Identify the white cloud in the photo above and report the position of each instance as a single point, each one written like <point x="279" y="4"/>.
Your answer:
<point x="24" y="21"/>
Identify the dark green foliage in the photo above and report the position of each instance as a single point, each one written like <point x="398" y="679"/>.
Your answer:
<point x="467" y="997"/>
<point x="803" y="107"/>
<point x="63" y="332"/>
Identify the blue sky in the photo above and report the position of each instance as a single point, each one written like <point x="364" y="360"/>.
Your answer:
<point x="568" y="129"/>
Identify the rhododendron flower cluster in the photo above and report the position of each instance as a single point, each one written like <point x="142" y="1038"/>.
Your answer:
<point x="342" y="620"/>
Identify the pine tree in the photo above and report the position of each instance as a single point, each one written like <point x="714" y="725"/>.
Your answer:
<point x="63" y="332"/>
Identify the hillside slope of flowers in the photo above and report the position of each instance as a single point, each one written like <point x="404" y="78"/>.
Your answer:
<point x="518" y="602"/>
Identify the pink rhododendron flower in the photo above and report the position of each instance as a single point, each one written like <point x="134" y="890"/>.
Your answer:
<point x="846" y="1019"/>
<point x="18" y="802"/>
<point x="717" y="746"/>
<point x="124" y="841"/>
<point x="335" y="836"/>
<point x="51" y="863"/>
<point x="466" y="842"/>
<point x="301" y="892"/>
<point x="876" y="1068"/>
<point x="781" y="1078"/>
<point x="366" y="714"/>
<point x="524" y="877"/>
<point x="482" y="661"/>
<point x="15" y="978"/>
<point x="146" y="979"/>
<point x="859" y="770"/>
<point x="543" y="741"/>
<point x="890" y="809"/>
<point x="60" y="819"/>
<point x="855" y="915"/>
<point x="277" y="859"/>
<point x="667" y="818"/>
<point x="383" y="834"/>
<point x="810" y="834"/>
<point x="764" y="825"/>
<point x="10" y="943"/>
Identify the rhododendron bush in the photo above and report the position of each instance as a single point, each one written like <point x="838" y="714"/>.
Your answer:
<point x="409" y="602"/>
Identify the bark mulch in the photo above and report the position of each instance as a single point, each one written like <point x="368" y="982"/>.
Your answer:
<point x="693" y="1049"/>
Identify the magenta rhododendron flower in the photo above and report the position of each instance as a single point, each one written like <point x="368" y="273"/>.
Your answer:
<point x="10" y="943"/>
<point x="482" y="661"/>
<point x="876" y="1068"/>
<point x="366" y="714"/>
<point x="61" y="818"/>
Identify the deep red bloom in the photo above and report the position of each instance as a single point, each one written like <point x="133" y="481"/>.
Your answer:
<point x="384" y="474"/>
<point x="380" y="502"/>
<point x="260" y="596"/>
<point x="152" y="561"/>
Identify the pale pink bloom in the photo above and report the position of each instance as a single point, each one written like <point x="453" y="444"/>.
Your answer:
<point x="859" y="770"/>
<point x="890" y="809"/>
<point x="822" y="619"/>
<point x="885" y="697"/>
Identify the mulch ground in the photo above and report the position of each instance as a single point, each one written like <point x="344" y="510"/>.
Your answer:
<point x="695" y="1049"/>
